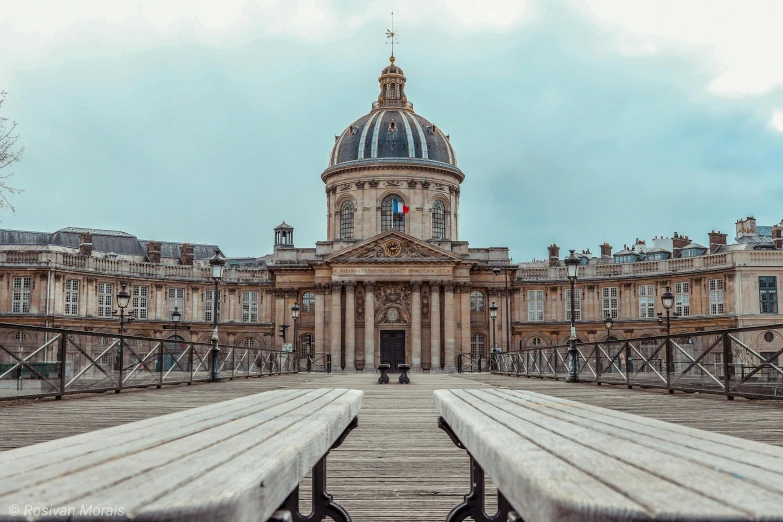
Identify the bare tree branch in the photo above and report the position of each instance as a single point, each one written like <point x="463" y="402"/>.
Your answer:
<point x="9" y="154"/>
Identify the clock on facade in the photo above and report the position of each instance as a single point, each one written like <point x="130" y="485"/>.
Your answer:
<point x="393" y="248"/>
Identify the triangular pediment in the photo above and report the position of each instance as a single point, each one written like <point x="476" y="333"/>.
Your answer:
<point x="392" y="247"/>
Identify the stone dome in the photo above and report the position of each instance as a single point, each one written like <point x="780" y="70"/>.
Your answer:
<point x="392" y="132"/>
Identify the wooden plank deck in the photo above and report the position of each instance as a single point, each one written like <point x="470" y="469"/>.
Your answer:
<point x="397" y="465"/>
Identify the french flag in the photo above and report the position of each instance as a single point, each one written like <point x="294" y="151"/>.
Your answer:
<point x="399" y="208"/>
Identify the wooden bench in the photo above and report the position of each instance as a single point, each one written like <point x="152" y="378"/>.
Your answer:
<point x="404" y="369"/>
<point x="554" y="459"/>
<point x="239" y="460"/>
<point x="384" y="369"/>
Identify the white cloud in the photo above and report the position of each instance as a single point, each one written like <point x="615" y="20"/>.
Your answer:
<point x="777" y="121"/>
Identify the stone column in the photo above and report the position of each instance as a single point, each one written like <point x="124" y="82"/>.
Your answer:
<point x="465" y="313"/>
<point x="320" y="314"/>
<point x="369" y="326"/>
<point x="416" y="326"/>
<point x="435" y="327"/>
<point x="449" y="319"/>
<point x="350" y="326"/>
<point x="335" y="319"/>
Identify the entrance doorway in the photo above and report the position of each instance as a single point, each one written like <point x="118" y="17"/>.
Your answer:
<point x="393" y="348"/>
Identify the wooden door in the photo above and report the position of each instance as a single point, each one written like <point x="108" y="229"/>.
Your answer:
<point x="393" y="348"/>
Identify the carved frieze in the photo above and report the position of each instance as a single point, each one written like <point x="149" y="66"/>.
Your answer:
<point x="360" y="184"/>
<point x="392" y="314"/>
<point x="425" y="184"/>
<point x="373" y="183"/>
<point x="412" y="183"/>
<point x="398" y="294"/>
<point x="392" y="183"/>
<point x="345" y="186"/>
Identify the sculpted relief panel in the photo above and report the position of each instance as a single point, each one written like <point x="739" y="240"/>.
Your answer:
<point x="393" y="294"/>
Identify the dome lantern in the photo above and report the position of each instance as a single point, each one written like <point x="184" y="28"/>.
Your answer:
<point x="392" y="93"/>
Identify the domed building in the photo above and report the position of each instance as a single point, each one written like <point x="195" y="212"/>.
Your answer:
<point x="391" y="283"/>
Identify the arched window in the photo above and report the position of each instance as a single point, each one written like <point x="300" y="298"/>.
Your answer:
<point x="438" y="220"/>
<point x="346" y="220"/>
<point x="308" y="302"/>
<point x="306" y="345"/>
<point x="391" y="220"/>
<point x="478" y="345"/>
<point x="249" y="342"/>
<point x="535" y="341"/>
<point x="476" y="301"/>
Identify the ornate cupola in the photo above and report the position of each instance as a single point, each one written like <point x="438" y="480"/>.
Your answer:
<point x="392" y="94"/>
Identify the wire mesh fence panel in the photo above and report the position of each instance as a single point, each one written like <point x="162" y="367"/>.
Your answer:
<point x="752" y="362"/>
<point x="30" y="362"/>
<point x="142" y="362"/>
<point x="201" y="364"/>
<point x="175" y="361"/>
<point x="93" y="362"/>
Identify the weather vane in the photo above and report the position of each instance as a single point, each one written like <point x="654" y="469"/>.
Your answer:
<point x="392" y="34"/>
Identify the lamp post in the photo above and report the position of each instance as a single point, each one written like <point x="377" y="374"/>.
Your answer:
<point x="123" y="300"/>
<point x="218" y="263"/>
<point x="493" y="313"/>
<point x="295" y="316"/>
<point x="572" y="268"/>
<point x="496" y="271"/>
<point x="608" y="323"/>
<point x="667" y="299"/>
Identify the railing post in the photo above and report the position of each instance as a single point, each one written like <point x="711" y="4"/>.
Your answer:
<point x="479" y="364"/>
<point x="669" y="364"/>
<point x="122" y="363"/>
<point x="61" y="348"/>
<point x="160" y="363"/>
<point x="328" y="363"/>
<point x="598" y="363"/>
<point x="628" y="365"/>
<point x="728" y="367"/>
<point x="309" y="364"/>
<point x="459" y="363"/>
<point x="190" y="363"/>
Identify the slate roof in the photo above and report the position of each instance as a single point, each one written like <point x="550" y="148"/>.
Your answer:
<point x="392" y="133"/>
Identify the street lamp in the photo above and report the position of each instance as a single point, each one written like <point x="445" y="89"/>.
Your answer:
<point x="218" y="263"/>
<point x="572" y="269"/>
<point x="123" y="300"/>
<point x="295" y="316"/>
<point x="608" y="323"/>
<point x="493" y="313"/>
<point x="667" y="299"/>
<point x="496" y="271"/>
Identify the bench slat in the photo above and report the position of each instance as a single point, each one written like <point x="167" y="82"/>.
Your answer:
<point x="764" y="470"/>
<point x="240" y="468"/>
<point x="529" y="437"/>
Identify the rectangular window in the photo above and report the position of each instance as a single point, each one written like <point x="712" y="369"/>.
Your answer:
<point x="209" y="301"/>
<point x="682" y="299"/>
<point x="716" y="296"/>
<point x="105" y="299"/>
<point x="140" y="295"/>
<point x="646" y="301"/>
<point x="71" y="297"/>
<point x="21" y="295"/>
<point x="249" y="307"/>
<point x="609" y="302"/>
<point x="535" y="305"/>
<point x="768" y="294"/>
<point x="176" y="300"/>
<point x="577" y="304"/>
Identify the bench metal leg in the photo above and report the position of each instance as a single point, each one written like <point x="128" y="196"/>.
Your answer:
<point x="384" y="378"/>
<point x="474" y="504"/>
<point x="404" y="377"/>
<point x="323" y="503"/>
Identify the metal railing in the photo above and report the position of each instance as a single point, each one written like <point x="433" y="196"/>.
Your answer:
<point x="468" y="362"/>
<point x="743" y="362"/>
<point x="315" y="362"/>
<point x="39" y="362"/>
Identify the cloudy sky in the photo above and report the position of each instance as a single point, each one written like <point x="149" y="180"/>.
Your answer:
<point x="575" y="122"/>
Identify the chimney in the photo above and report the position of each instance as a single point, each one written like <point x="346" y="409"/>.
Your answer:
<point x="678" y="242"/>
<point x="554" y="254"/>
<point x="606" y="249"/>
<point x="716" y="240"/>
<point x="186" y="254"/>
<point x="153" y="251"/>
<point x="777" y="236"/>
<point x="85" y="243"/>
<point x="746" y="227"/>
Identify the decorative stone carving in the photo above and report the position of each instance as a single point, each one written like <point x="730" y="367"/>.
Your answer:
<point x="373" y="183"/>
<point x="412" y="183"/>
<point x="360" y="184"/>
<point x="440" y="186"/>
<point x="337" y="286"/>
<point x="360" y="306"/>
<point x="392" y="314"/>
<point x="344" y="187"/>
<point x="425" y="184"/>
<point x="350" y="286"/>
<point x="392" y="183"/>
<point x="398" y="294"/>
<point x="448" y="286"/>
<point x="416" y="286"/>
<point x="425" y="303"/>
